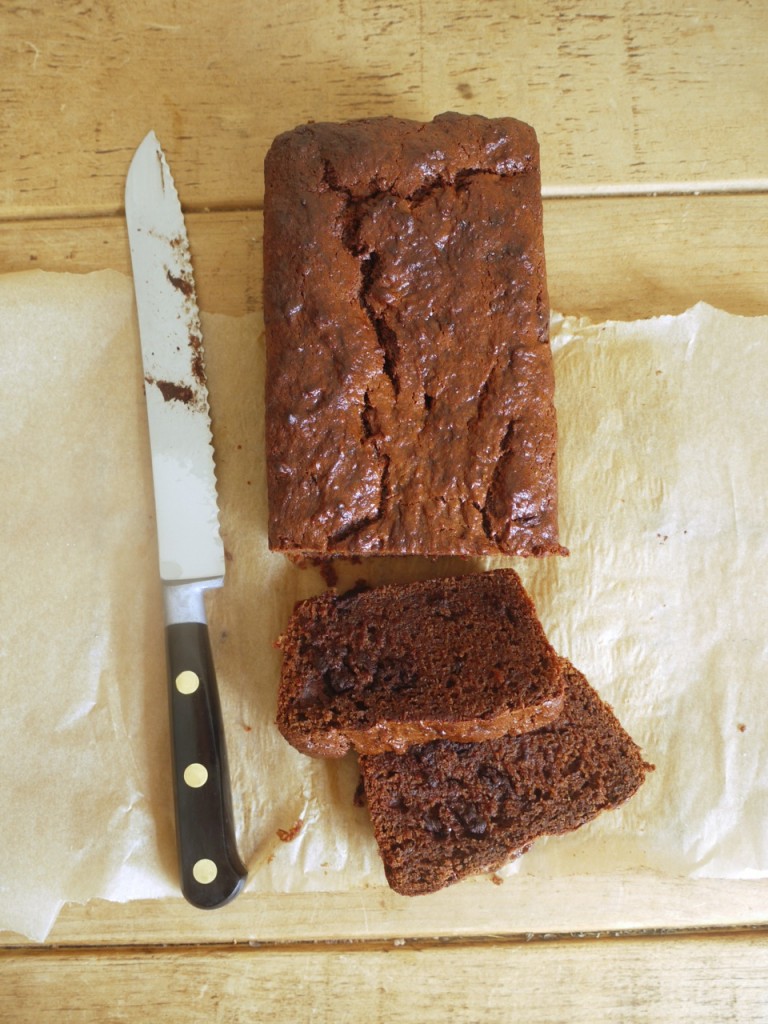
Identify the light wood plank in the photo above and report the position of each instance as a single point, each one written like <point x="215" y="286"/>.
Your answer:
<point x="226" y="249"/>
<point x="715" y="979"/>
<point x="642" y="94"/>
<point x="519" y="908"/>
<point x="631" y="258"/>
<point x="608" y="258"/>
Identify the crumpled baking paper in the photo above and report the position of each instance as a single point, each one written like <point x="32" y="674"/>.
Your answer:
<point x="661" y="603"/>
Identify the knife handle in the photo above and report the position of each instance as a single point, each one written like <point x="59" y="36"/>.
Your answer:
<point x="211" y="870"/>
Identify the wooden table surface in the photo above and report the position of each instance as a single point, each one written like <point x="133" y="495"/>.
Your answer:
<point x="654" y="139"/>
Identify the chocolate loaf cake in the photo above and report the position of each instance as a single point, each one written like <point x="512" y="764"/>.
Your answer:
<point x="409" y="394"/>
<point x="443" y="811"/>
<point x="463" y="658"/>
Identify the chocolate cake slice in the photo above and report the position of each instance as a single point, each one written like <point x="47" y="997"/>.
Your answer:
<point x="463" y="658"/>
<point x="444" y="811"/>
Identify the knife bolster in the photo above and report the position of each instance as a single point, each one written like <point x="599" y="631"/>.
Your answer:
<point x="185" y="602"/>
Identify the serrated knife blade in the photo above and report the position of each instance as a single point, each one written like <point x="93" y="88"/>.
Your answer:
<point x="191" y="553"/>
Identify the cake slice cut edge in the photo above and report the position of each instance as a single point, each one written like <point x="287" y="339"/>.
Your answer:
<point x="463" y="658"/>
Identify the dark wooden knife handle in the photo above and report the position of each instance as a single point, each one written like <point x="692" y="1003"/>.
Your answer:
<point x="211" y="870"/>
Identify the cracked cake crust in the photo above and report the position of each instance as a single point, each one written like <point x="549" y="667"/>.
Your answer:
<point x="409" y="379"/>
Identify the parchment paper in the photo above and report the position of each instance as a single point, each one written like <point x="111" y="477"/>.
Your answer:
<point x="662" y="604"/>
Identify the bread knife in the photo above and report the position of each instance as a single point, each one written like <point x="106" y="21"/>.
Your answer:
<point x="191" y="553"/>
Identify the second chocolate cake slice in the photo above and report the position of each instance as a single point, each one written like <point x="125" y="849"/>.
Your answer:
<point x="463" y="658"/>
<point x="444" y="811"/>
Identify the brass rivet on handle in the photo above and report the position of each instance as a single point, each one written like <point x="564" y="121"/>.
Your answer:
<point x="195" y="775"/>
<point x="187" y="681"/>
<point x="204" y="871"/>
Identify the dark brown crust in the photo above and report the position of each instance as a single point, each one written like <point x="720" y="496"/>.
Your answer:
<point x="409" y="378"/>
<point x="463" y="658"/>
<point x="444" y="811"/>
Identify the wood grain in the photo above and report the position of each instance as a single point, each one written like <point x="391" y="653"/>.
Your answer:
<point x="520" y="908"/>
<point x="706" y="980"/>
<point x="639" y="94"/>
